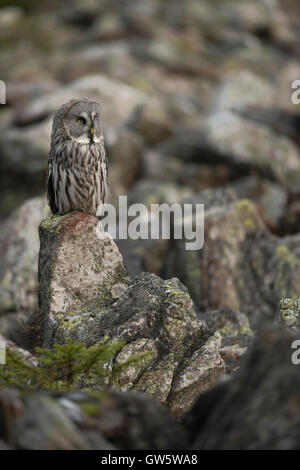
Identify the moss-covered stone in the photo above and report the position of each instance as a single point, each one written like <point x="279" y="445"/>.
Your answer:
<point x="87" y="295"/>
<point x="288" y="313"/>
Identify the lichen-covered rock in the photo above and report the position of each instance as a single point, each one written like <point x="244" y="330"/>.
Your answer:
<point x="19" y="249"/>
<point x="236" y="334"/>
<point x="259" y="407"/>
<point x="86" y="295"/>
<point x="288" y="314"/>
<point x="79" y="266"/>
<point x="81" y="421"/>
<point x="241" y="266"/>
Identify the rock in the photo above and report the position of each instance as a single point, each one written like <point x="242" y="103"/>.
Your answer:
<point x="86" y="295"/>
<point x="287" y="75"/>
<point x="148" y="255"/>
<point x="192" y="146"/>
<point x="76" y="420"/>
<point x="148" y="191"/>
<point x="284" y="27"/>
<point x="108" y="26"/>
<point x="195" y="176"/>
<point x="259" y="407"/>
<point x="19" y="248"/>
<point x="49" y="429"/>
<point x="24" y="154"/>
<point x="114" y="57"/>
<point x="19" y="92"/>
<point x="290" y="221"/>
<point x="270" y="198"/>
<point x="241" y="266"/>
<point x="141" y="17"/>
<point x="23" y="328"/>
<point x="125" y="160"/>
<point x="151" y="255"/>
<point x="10" y="16"/>
<point x="26" y="355"/>
<point x="273" y="199"/>
<point x="154" y="122"/>
<point x="117" y="100"/>
<point x="252" y="16"/>
<point x="241" y="90"/>
<point x="256" y="146"/>
<point x="143" y="255"/>
<point x="227" y="139"/>
<point x="236" y="335"/>
<point x="79" y="264"/>
<point x="289" y="314"/>
<point x="3" y="446"/>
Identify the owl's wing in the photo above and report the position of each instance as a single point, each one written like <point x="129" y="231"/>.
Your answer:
<point x="50" y="187"/>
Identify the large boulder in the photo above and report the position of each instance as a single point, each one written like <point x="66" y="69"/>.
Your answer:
<point x="255" y="145"/>
<point x="88" y="296"/>
<point x="231" y="140"/>
<point x="241" y="266"/>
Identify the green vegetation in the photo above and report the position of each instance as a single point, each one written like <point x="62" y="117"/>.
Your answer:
<point x="65" y="367"/>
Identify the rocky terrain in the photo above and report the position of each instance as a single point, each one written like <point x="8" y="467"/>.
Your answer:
<point x="196" y="108"/>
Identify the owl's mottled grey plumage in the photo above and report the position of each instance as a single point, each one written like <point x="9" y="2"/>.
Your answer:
<point x="77" y="167"/>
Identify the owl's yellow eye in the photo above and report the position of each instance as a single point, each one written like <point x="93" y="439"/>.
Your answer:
<point x="80" y="121"/>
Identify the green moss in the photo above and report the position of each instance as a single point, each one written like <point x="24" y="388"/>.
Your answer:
<point x="140" y="84"/>
<point x="287" y="304"/>
<point x="248" y="214"/>
<point x="89" y="408"/>
<point x="69" y="324"/>
<point x="285" y="255"/>
<point x="189" y="377"/>
<point x="50" y="224"/>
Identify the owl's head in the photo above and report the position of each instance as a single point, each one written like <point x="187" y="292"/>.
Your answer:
<point x="78" y="120"/>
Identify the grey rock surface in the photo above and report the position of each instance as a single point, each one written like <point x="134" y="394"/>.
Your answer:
<point x="88" y="296"/>
<point x="236" y="335"/>
<point x="19" y="249"/>
<point x="241" y="266"/>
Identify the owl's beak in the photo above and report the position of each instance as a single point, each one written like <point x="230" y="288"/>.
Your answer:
<point x="91" y="131"/>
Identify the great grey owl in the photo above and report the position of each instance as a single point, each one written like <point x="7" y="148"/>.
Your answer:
<point x="77" y="167"/>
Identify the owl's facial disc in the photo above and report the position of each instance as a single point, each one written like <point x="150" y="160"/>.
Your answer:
<point x="84" y="125"/>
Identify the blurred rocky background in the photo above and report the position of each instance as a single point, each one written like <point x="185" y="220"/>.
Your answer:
<point x="196" y="107"/>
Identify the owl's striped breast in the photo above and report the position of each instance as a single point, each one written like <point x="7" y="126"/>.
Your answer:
<point x="78" y="176"/>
